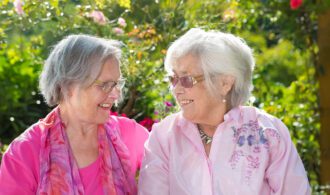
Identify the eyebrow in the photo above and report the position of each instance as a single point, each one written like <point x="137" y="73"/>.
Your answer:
<point x="111" y="80"/>
<point x="184" y="72"/>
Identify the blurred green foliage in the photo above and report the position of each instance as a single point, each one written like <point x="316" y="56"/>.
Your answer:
<point x="284" y="43"/>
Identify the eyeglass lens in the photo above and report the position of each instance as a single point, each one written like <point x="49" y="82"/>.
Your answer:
<point x="186" y="81"/>
<point x="109" y="86"/>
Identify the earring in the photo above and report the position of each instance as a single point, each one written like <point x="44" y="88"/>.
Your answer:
<point x="224" y="99"/>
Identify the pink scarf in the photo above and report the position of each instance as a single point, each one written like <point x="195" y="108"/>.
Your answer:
<point x="59" y="173"/>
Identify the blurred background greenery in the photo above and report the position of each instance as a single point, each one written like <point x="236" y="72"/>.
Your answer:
<point x="282" y="35"/>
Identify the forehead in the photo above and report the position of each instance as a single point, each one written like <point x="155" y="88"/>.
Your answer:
<point x="187" y="65"/>
<point x="110" y="69"/>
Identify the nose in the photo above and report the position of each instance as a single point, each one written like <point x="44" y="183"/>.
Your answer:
<point x="177" y="89"/>
<point x="114" y="93"/>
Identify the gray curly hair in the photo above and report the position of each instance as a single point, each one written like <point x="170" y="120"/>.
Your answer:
<point x="220" y="54"/>
<point x="77" y="59"/>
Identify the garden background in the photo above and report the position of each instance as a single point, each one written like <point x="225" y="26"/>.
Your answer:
<point x="290" y="39"/>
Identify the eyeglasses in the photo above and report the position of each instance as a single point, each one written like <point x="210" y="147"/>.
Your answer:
<point x="108" y="86"/>
<point x="186" y="81"/>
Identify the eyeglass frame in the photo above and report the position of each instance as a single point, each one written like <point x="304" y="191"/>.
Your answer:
<point x="194" y="79"/>
<point x="119" y="84"/>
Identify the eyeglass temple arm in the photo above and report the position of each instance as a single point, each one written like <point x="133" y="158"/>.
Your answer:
<point x="198" y="79"/>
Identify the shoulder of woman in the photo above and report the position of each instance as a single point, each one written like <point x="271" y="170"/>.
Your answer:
<point x="29" y="138"/>
<point x="25" y="149"/>
<point x="122" y="121"/>
<point x="253" y="113"/>
<point x="167" y="125"/>
<point x="265" y="124"/>
<point x="129" y="126"/>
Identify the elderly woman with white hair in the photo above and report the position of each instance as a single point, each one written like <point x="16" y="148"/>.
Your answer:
<point x="215" y="145"/>
<point x="78" y="148"/>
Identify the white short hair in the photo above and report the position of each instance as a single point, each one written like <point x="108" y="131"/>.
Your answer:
<point x="77" y="59"/>
<point x="219" y="54"/>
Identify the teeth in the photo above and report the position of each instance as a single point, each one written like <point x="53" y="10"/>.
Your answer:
<point x="184" y="102"/>
<point x="105" y="105"/>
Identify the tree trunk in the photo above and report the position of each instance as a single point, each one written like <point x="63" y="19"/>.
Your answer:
<point x="324" y="81"/>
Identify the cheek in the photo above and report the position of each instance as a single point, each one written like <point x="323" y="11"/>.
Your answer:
<point x="90" y="99"/>
<point x="96" y="99"/>
<point x="203" y="101"/>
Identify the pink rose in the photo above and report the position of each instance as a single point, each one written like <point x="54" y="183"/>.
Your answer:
<point x="114" y="113"/>
<point x="117" y="114"/>
<point x="118" y="31"/>
<point x="228" y="14"/>
<point x="18" y="7"/>
<point x="98" y="17"/>
<point x="168" y="104"/>
<point x="122" y="22"/>
<point x="295" y="4"/>
<point x="124" y="115"/>
<point x="147" y="123"/>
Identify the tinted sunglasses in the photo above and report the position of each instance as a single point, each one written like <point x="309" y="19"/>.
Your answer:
<point x="186" y="81"/>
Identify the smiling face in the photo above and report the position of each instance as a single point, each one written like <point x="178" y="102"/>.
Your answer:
<point x="92" y="103"/>
<point x="197" y="104"/>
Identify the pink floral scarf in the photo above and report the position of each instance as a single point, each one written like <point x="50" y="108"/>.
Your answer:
<point x="59" y="173"/>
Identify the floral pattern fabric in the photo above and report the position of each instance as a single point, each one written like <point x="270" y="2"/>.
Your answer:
<point x="59" y="172"/>
<point x="251" y="153"/>
<point x="256" y="138"/>
<point x="40" y="160"/>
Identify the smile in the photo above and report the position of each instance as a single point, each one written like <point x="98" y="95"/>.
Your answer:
<point x="185" y="102"/>
<point x="106" y="106"/>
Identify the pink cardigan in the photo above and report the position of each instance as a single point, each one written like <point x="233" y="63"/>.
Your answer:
<point x="251" y="154"/>
<point x="19" y="172"/>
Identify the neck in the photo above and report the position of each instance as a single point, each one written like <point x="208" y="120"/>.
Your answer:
<point x="207" y="129"/>
<point x="212" y="121"/>
<point x="74" y="126"/>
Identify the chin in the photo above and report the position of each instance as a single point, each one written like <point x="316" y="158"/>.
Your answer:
<point x="188" y="116"/>
<point x="103" y="119"/>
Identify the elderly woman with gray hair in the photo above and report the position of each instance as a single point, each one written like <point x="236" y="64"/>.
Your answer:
<point x="215" y="145"/>
<point x="78" y="148"/>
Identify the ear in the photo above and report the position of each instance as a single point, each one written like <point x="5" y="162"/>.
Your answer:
<point x="226" y="83"/>
<point x="70" y="90"/>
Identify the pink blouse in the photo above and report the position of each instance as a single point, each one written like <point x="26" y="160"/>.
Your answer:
<point x="19" y="171"/>
<point x="89" y="176"/>
<point x="251" y="154"/>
